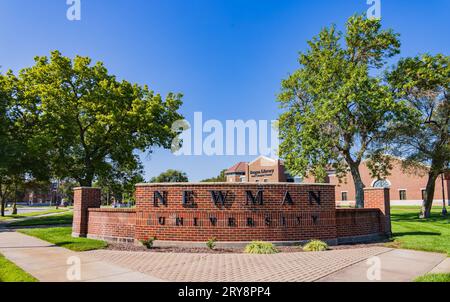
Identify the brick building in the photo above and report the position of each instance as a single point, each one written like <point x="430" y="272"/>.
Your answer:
<point x="262" y="169"/>
<point x="43" y="196"/>
<point x="406" y="187"/>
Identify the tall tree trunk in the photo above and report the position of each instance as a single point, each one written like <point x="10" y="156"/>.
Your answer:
<point x="3" y="197"/>
<point x="2" y="205"/>
<point x="359" y="185"/>
<point x="428" y="200"/>
<point x="2" y="200"/>
<point x="14" y="209"/>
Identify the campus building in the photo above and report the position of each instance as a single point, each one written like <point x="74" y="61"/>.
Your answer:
<point x="262" y="169"/>
<point x="43" y="196"/>
<point x="407" y="187"/>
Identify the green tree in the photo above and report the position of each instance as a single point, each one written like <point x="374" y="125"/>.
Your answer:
<point x="170" y="176"/>
<point x="120" y="183"/>
<point x="334" y="106"/>
<point x="66" y="189"/>
<point x="20" y="155"/>
<point x="89" y="120"/>
<point x="8" y="146"/>
<point x="4" y="143"/>
<point x="422" y="135"/>
<point x="221" y="178"/>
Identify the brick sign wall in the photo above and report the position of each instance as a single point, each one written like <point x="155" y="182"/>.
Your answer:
<point x="112" y="224"/>
<point x="232" y="213"/>
<point x="235" y="212"/>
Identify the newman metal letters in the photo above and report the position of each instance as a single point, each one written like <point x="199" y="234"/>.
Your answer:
<point x="220" y="198"/>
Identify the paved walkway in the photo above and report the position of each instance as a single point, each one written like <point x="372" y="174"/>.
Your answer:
<point x="442" y="268"/>
<point x="291" y="267"/>
<point x="49" y="263"/>
<point x="396" y="266"/>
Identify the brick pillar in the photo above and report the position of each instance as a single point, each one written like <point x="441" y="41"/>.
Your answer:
<point x="84" y="198"/>
<point x="379" y="198"/>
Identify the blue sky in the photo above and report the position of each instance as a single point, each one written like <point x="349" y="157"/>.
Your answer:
<point x="227" y="57"/>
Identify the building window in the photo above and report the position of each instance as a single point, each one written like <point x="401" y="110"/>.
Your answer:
<point x="242" y="178"/>
<point x="266" y="180"/>
<point x="402" y="194"/>
<point x="344" y="196"/>
<point x="381" y="183"/>
<point x="424" y="194"/>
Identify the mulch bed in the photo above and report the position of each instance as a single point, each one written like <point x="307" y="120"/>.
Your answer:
<point x="284" y="249"/>
<point x="137" y="248"/>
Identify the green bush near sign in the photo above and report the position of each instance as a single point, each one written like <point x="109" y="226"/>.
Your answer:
<point x="315" y="246"/>
<point x="211" y="243"/>
<point x="149" y="242"/>
<point x="260" y="247"/>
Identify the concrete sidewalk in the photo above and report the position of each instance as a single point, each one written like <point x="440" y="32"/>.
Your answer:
<point x="350" y="265"/>
<point x="442" y="268"/>
<point x="49" y="263"/>
<point x="396" y="266"/>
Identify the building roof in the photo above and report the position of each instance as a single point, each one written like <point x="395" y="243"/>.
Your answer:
<point x="268" y="159"/>
<point x="241" y="168"/>
<point x="238" y="168"/>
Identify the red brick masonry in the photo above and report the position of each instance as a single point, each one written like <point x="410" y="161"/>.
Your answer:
<point x="235" y="212"/>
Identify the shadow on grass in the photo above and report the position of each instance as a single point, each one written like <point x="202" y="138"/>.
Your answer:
<point x="417" y="234"/>
<point x="37" y="226"/>
<point x="413" y="217"/>
<point x="65" y="243"/>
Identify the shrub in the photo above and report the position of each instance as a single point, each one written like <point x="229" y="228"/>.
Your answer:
<point x="211" y="243"/>
<point x="149" y="242"/>
<point x="315" y="246"/>
<point x="260" y="247"/>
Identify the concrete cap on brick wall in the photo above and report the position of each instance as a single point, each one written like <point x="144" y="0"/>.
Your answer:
<point x="86" y="188"/>
<point x="175" y="184"/>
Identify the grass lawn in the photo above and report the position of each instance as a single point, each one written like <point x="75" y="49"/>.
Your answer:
<point x="434" y="278"/>
<point x="63" y="237"/>
<point x="410" y="232"/>
<point x="31" y="214"/>
<point x="9" y="272"/>
<point x="65" y="218"/>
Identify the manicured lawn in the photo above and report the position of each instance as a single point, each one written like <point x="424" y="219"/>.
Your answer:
<point x="410" y="232"/>
<point x="9" y="272"/>
<point x="31" y="214"/>
<point x="63" y="237"/>
<point x="65" y="218"/>
<point x="434" y="278"/>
